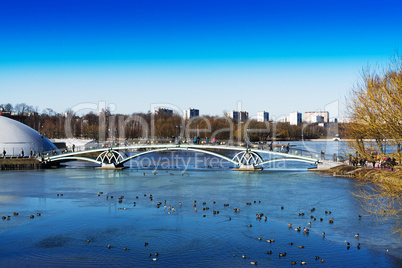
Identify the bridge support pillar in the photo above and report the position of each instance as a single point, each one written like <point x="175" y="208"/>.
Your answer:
<point x="111" y="166"/>
<point x="244" y="167"/>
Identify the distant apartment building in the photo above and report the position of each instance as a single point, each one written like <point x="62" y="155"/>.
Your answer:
<point x="188" y="113"/>
<point x="238" y="115"/>
<point x="282" y="119"/>
<point x="316" y="117"/>
<point x="262" y="116"/>
<point x="295" y="118"/>
<point x="163" y="111"/>
<point x="319" y="119"/>
<point x="344" y="120"/>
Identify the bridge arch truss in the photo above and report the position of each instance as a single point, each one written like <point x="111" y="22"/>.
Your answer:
<point x="114" y="156"/>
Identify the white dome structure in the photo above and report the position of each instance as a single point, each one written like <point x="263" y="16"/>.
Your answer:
<point x="16" y="138"/>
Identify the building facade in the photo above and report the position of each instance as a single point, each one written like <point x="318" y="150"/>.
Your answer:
<point x="238" y="115"/>
<point x="295" y="118"/>
<point x="190" y="112"/>
<point x="262" y="116"/>
<point x="312" y="117"/>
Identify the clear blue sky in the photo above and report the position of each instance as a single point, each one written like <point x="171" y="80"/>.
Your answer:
<point x="278" y="56"/>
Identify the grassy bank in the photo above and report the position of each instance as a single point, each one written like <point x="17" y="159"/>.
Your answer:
<point x="13" y="161"/>
<point x="368" y="175"/>
<point x="20" y="163"/>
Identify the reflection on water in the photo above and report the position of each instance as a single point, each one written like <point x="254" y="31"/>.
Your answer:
<point x="75" y="229"/>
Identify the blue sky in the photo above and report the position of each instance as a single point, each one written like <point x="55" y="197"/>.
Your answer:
<point x="277" y="56"/>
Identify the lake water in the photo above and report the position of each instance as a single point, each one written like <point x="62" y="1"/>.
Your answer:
<point x="185" y="237"/>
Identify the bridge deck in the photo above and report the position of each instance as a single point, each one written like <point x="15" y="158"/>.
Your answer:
<point x="92" y="155"/>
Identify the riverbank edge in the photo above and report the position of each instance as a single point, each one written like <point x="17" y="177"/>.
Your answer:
<point x="389" y="181"/>
<point x="23" y="164"/>
<point x="362" y="174"/>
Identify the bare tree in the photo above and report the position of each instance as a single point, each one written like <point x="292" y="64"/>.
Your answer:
<point x="49" y="112"/>
<point x="7" y="107"/>
<point x="22" y="108"/>
<point x="375" y="111"/>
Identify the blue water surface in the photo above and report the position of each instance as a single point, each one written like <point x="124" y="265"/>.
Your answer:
<point x="75" y="229"/>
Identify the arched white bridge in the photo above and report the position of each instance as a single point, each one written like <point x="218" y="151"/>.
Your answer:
<point x="245" y="159"/>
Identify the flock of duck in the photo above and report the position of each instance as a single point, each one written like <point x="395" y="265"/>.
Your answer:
<point x="170" y="209"/>
<point x="16" y="214"/>
<point x="31" y="216"/>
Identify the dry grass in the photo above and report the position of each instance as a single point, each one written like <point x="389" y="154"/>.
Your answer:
<point x="14" y="161"/>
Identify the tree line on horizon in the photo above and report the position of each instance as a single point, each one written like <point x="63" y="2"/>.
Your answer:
<point x="163" y="126"/>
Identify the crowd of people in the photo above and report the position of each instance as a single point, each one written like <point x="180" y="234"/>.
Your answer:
<point x="374" y="161"/>
<point x="21" y="154"/>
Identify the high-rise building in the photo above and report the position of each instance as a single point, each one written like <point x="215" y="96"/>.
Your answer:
<point x="262" y="116"/>
<point x="319" y="119"/>
<point x="295" y="118"/>
<point x="190" y="112"/>
<point x="312" y="117"/>
<point x="238" y="115"/>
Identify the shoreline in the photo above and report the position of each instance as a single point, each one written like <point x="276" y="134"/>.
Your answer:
<point x="22" y="164"/>
<point x="363" y="174"/>
<point x="384" y="191"/>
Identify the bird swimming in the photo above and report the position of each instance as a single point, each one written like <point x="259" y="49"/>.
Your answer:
<point x="357" y="235"/>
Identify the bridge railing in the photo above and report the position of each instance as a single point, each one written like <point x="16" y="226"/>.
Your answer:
<point x="276" y="147"/>
<point x="308" y="153"/>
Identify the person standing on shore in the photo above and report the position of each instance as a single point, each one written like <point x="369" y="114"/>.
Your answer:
<point x="4" y="153"/>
